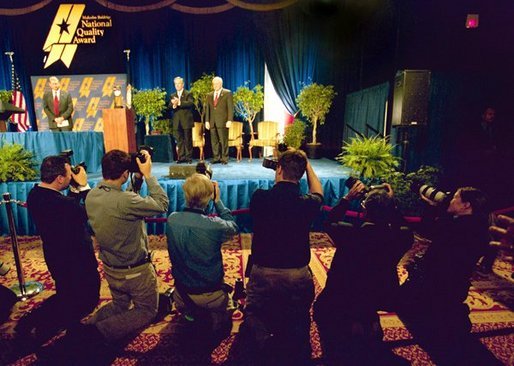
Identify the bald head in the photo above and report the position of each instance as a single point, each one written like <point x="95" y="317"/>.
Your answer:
<point x="217" y="83"/>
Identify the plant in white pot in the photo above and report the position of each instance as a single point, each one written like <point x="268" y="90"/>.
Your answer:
<point x="314" y="102"/>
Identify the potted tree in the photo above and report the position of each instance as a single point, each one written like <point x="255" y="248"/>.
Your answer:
<point x="314" y="102"/>
<point x="295" y="134"/>
<point x="149" y="104"/>
<point x="200" y="88"/>
<point x="248" y="102"/>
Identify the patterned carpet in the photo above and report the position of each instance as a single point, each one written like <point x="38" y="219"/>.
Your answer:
<point x="491" y="299"/>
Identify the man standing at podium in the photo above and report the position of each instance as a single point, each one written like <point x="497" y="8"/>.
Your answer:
<point x="58" y="107"/>
<point x="182" y="107"/>
<point x="220" y="112"/>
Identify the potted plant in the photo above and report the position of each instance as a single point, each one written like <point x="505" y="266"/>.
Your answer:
<point x="294" y="134"/>
<point x="369" y="157"/>
<point x="314" y="102"/>
<point x="162" y="127"/>
<point x="16" y="164"/>
<point x="149" y="104"/>
<point x="248" y="102"/>
<point x="200" y="88"/>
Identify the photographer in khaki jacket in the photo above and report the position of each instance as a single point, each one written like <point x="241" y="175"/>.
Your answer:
<point x="117" y="219"/>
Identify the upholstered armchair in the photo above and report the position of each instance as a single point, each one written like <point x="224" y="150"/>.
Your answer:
<point x="199" y="138"/>
<point x="235" y="138"/>
<point x="267" y="136"/>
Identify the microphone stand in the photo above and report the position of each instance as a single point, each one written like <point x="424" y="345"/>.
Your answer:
<point x="24" y="290"/>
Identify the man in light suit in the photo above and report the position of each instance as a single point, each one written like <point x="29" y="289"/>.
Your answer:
<point x="58" y="107"/>
<point x="182" y="106"/>
<point x="219" y="115"/>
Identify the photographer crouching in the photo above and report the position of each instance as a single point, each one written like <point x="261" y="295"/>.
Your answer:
<point x="362" y="278"/>
<point x="68" y="251"/>
<point x="117" y="219"/>
<point x="432" y="299"/>
<point x="194" y="246"/>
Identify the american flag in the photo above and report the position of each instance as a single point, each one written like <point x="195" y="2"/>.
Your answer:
<point x="21" y="119"/>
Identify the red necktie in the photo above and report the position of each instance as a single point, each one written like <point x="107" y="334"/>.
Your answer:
<point x="56" y="105"/>
<point x="215" y="99"/>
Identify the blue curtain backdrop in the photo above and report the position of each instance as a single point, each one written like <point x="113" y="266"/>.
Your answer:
<point x="291" y="51"/>
<point x="364" y="111"/>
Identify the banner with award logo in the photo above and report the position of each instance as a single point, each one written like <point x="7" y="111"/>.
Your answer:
<point x="90" y="94"/>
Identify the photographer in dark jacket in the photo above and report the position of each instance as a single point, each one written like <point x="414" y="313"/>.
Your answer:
<point x="432" y="300"/>
<point x="362" y="280"/>
<point x="68" y="251"/>
<point x="281" y="289"/>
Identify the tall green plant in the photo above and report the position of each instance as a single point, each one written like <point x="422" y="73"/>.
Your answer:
<point x="149" y="103"/>
<point x="248" y="102"/>
<point x="371" y="157"/>
<point x="16" y="164"/>
<point x="200" y="88"/>
<point x="314" y="102"/>
<point x="295" y="134"/>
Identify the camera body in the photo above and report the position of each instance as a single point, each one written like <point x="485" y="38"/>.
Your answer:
<point x="350" y="182"/>
<point x="74" y="168"/>
<point x="271" y="162"/>
<point x="205" y="169"/>
<point x="133" y="167"/>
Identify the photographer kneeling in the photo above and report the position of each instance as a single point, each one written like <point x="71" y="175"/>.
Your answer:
<point x="194" y="246"/>
<point x="362" y="279"/>
<point x="432" y="299"/>
<point x="117" y="219"/>
<point x="68" y="251"/>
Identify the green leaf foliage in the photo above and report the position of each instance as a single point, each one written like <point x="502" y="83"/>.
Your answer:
<point x="248" y="102"/>
<point x="6" y="96"/>
<point x="295" y="134"/>
<point x="200" y="88"/>
<point x="371" y="157"/>
<point x="16" y="164"/>
<point x="149" y="103"/>
<point x="163" y="126"/>
<point x="314" y="102"/>
<point x="407" y="200"/>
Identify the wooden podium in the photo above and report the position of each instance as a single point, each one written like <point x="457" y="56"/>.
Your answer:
<point x="119" y="130"/>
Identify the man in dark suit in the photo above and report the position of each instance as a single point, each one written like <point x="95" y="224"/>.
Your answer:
<point x="58" y="107"/>
<point x="219" y="115"/>
<point x="182" y="105"/>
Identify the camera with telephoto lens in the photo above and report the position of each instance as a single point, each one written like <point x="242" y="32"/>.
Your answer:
<point x="350" y="182"/>
<point x="432" y="193"/>
<point x="75" y="169"/>
<point x="271" y="162"/>
<point x="133" y="167"/>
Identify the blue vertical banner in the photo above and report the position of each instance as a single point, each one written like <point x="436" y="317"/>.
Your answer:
<point x="90" y="94"/>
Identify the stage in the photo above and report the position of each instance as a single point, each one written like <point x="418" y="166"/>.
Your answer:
<point x="237" y="181"/>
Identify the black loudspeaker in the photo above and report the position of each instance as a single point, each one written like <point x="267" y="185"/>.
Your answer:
<point x="410" y="101"/>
